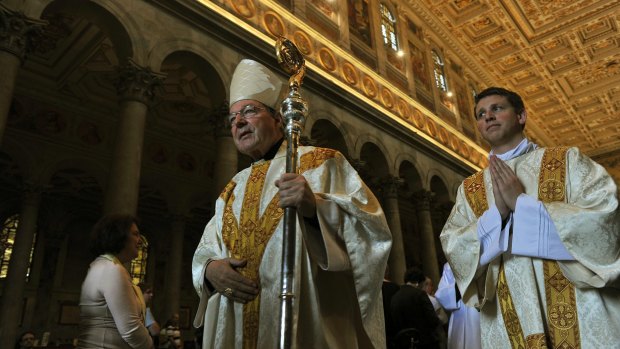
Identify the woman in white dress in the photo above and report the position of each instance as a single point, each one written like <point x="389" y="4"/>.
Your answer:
<point x="111" y="307"/>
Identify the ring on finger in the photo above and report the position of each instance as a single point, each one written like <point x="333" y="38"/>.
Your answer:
<point x="228" y="292"/>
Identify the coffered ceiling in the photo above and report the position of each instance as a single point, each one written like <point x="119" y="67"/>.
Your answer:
<point x="562" y="56"/>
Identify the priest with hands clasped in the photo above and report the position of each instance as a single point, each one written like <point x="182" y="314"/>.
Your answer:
<point x="533" y="240"/>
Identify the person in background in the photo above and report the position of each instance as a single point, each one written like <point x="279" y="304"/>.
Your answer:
<point x="171" y="334"/>
<point x="464" y="325"/>
<point x="412" y="309"/>
<point x="25" y="341"/>
<point x="388" y="290"/>
<point x="534" y="239"/>
<point x="112" y="309"/>
<point x="427" y="286"/>
<point x="151" y="324"/>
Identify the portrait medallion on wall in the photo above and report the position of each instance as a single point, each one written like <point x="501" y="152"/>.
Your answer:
<point x="482" y="161"/>
<point x="244" y="8"/>
<point x="454" y="143"/>
<point x="273" y="23"/>
<point x="443" y="135"/>
<point x="418" y="119"/>
<point x="369" y="87"/>
<point x="403" y="109"/>
<point x="303" y="43"/>
<point x="464" y="150"/>
<point x="431" y="129"/>
<point x="474" y="157"/>
<point x="349" y="73"/>
<point x="326" y="57"/>
<point x="386" y="98"/>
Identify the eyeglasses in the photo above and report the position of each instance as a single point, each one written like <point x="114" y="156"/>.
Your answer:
<point x="248" y="112"/>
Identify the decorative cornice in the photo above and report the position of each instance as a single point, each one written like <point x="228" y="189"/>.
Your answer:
<point x="329" y="61"/>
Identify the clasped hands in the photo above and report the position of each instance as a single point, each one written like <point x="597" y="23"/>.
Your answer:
<point x="295" y="192"/>
<point x="506" y="186"/>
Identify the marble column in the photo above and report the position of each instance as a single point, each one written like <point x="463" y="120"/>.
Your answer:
<point x="226" y="151"/>
<point x="396" y="260"/>
<point x="427" y="238"/>
<point x="136" y="92"/>
<point x="174" y="262"/>
<point x="15" y="282"/>
<point x="16" y="34"/>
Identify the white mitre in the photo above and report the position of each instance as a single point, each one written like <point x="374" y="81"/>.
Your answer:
<point x="252" y="80"/>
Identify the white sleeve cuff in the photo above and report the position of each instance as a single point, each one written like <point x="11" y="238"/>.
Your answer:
<point x="493" y="240"/>
<point x="534" y="234"/>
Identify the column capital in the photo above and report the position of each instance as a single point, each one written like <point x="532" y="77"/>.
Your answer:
<point x="422" y="199"/>
<point x="18" y="32"/>
<point x="138" y="83"/>
<point x="390" y="186"/>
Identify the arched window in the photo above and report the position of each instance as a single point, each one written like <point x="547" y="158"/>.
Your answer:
<point x="7" y="239"/>
<point x="137" y="270"/>
<point x="438" y="71"/>
<point x="388" y="27"/>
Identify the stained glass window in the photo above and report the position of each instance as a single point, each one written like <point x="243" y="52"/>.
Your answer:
<point x="7" y="239"/>
<point x="438" y="70"/>
<point x="138" y="265"/>
<point x="388" y="27"/>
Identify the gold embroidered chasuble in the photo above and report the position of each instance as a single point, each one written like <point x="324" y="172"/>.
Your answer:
<point x="528" y="302"/>
<point x="247" y="226"/>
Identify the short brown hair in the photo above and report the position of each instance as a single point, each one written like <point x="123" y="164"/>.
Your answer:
<point x="109" y="234"/>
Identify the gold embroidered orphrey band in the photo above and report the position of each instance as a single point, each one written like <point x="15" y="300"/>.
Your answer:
<point x="562" y="321"/>
<point x="248" y="238"/>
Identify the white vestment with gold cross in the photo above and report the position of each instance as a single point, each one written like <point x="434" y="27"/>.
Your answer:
<point x="515" y="300"/>
<point x="339" y="263"/>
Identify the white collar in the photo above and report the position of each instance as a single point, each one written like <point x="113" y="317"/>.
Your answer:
<point x="525" y="146"/>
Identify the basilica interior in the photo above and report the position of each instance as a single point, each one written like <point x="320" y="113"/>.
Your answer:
<point x="119" y="106"/>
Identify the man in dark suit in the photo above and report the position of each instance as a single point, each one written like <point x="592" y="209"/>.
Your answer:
<point x="388" y="289"/>
<point x="412" y="309"/>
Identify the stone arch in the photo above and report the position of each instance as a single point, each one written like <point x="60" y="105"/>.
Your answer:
<point x="375" y="158"/>
<point x="434" y="175"/>
<point x="194" y="69"/>
<point x="454" y="189"/>
<point x="365" y="139"/>
<point x="163" y="49"/>
<point x="438" y="186"/>
<point x="113" y="21"/>
<point x="97" y="170"/>
<point x="71" y="184"/>
<point x="327" y="134"/>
